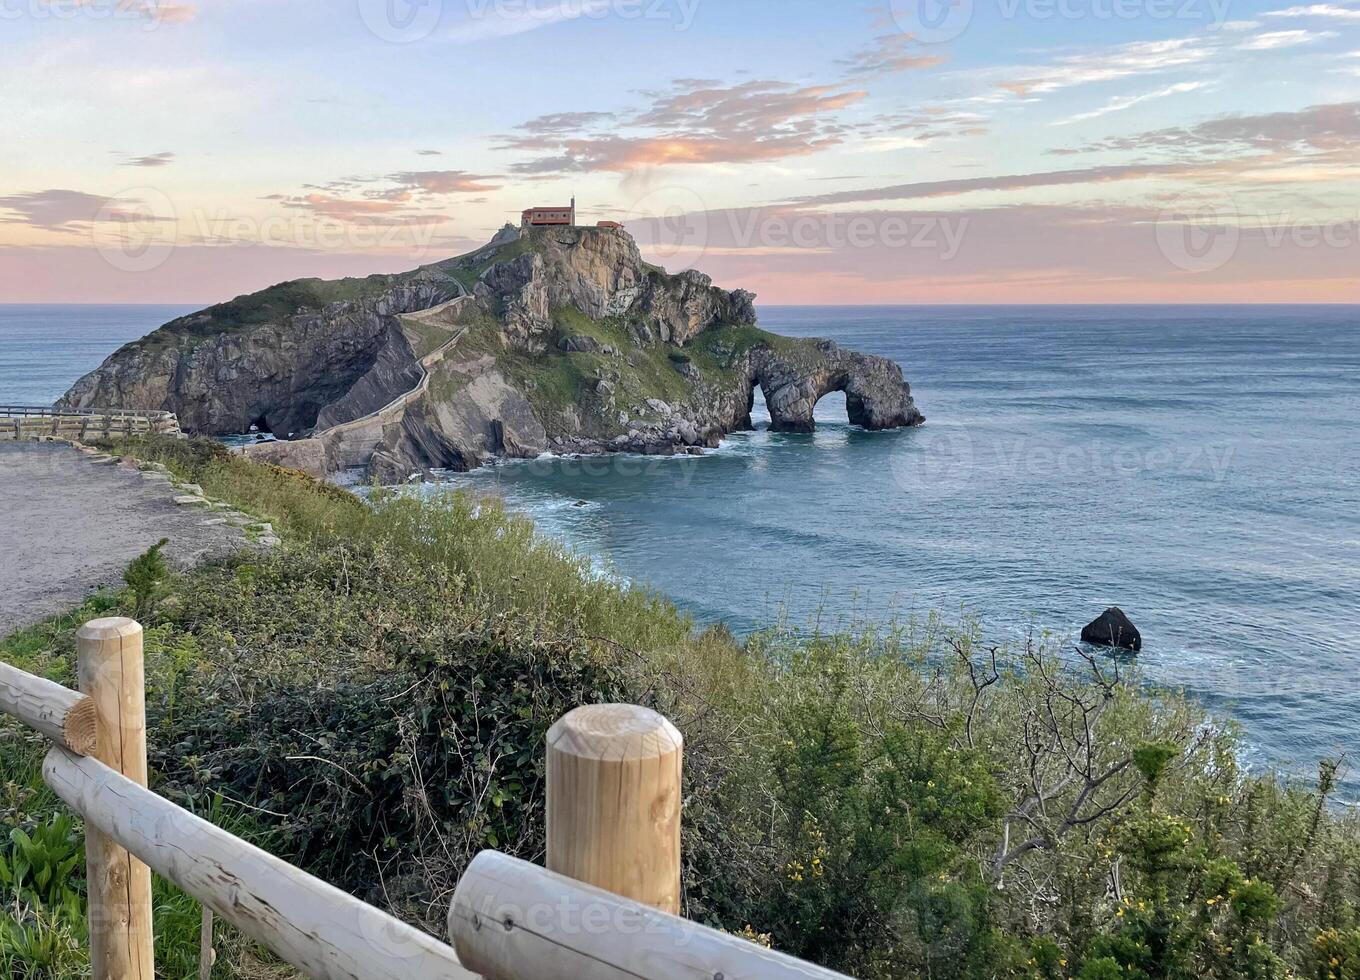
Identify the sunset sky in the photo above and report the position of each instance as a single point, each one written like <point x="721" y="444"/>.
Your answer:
<point x="979" y="151"/>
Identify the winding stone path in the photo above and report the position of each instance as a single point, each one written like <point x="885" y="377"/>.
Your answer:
<point x="70" y="524"/>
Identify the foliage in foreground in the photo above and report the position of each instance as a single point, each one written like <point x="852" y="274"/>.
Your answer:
<point x="904" y="803"/>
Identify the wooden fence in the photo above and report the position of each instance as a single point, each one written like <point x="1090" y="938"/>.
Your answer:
<point x="603" y="909"/>
<point x="21" y="422"/>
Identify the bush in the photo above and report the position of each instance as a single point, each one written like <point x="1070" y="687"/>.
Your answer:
<point x="387" y="719"/>
<point x="146" y="577"/>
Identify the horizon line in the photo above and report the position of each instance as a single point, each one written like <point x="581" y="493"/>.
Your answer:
<point x="823" y="306"/>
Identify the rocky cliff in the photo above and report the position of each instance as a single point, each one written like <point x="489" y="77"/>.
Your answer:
<point x="552" y="339"/>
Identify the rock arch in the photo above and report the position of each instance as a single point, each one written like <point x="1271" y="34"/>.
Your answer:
<point x="876" y="396"/>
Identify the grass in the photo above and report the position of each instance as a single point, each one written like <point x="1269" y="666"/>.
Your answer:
<point x="720" y="348"/>
<point x="468" y="269"/>
<point x="571" y="322"/>
<point x="286" y="299"/>
<point x="557" y="381"/>
<point x="291" y="501"/>
<point x="278" y="302"/>
<point x="425" y="337"/>
<point x="272" y="305"/>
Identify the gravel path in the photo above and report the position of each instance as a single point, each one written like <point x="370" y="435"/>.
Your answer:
<point x="70" y="525"/>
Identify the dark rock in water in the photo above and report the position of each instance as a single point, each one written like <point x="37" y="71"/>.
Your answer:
<point x="1113" y="629"/>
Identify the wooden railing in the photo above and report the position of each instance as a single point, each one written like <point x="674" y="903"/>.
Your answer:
<point x="601" y="910"/>
<point x="18" y="422"/>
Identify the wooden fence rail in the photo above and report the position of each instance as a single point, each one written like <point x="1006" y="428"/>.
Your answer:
<point x="64" y="716"/>
<point x="22" y="422"/>
<point x="314" y="926"/>
<point x="613" y="821"/>
<point x="47" y="411"/>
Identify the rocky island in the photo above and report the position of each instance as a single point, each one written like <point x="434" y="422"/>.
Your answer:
<point x="547" y="339"/>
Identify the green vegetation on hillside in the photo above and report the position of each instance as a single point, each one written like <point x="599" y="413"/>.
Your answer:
<point x="272" y="305"/>
<point x="276" y="303"/>
<point x="718" y="349"/>
<point x="370" y="701"/>
<point x="468" y="269"/>
<point x="556" y="381"/>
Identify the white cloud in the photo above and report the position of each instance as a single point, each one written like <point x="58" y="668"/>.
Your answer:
<point x="1283" y="39"/>
<point x="1128" y="101"/>
<point x="1317" y="10"/>
<point x="1121" y="61"/>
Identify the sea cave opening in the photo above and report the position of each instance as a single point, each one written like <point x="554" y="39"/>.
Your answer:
<point x="799" y="404"/>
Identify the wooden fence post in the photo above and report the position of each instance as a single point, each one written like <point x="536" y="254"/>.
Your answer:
<point x="613" y="809"/>
<point x="112" y="674"/>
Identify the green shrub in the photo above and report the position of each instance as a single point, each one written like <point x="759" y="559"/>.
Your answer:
<point x="385" y="717"/>
<point x="146" y="576"/>
<point x="40" y="866"/>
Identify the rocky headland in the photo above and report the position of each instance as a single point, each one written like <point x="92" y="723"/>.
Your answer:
<point x="556" y="339"/>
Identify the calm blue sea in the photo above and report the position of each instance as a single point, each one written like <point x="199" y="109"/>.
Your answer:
<point x="1198" y="466"/>
<point x="43" y="349"/>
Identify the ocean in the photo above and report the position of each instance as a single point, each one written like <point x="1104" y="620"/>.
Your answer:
<point x="1197" y="466"/>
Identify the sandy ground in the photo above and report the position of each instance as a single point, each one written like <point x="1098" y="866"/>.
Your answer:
<point x="69" y="526"/>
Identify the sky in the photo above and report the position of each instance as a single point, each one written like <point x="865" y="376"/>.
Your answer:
<point x="814" y="152"/>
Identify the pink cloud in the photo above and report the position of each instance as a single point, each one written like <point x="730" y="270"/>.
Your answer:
<point x="696" y="121"/>
<point x="445" y="181"/>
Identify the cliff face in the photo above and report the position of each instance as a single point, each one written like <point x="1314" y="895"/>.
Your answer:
<point x="276" y="360"/>
<point x="601" y="274"/>
<point x="554" y="339"/>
